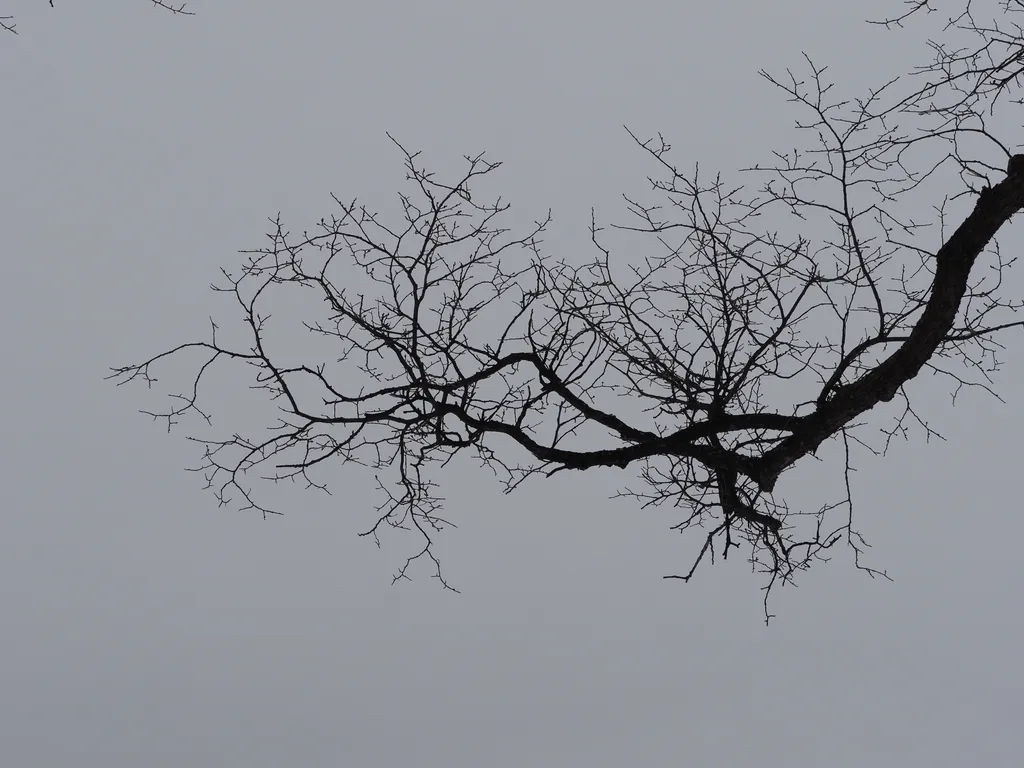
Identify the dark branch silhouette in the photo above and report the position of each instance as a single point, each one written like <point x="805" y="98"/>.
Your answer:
<point x="8" y="24"/>
<point x="762" y="320"/>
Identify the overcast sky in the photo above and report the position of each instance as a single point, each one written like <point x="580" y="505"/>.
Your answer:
<point x="144" y="626"/>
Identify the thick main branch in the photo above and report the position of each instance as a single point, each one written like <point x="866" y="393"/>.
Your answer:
<point x="953" y="264"/>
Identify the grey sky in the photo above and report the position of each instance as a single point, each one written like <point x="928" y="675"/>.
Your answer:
<point x="143" y="626"/>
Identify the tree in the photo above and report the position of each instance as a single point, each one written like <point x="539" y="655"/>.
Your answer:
<point x="764" y="322"/>
<point x="8" y="24"/>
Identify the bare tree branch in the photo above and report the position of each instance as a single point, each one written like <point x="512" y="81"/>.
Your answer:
<point x="7" y="23"/>
<point x="763" y="320"/>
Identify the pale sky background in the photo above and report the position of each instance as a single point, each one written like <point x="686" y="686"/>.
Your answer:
<point x="143" y="626"/>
